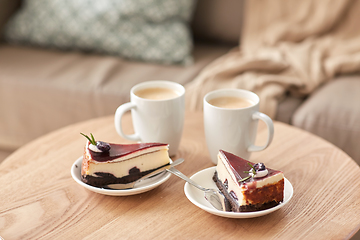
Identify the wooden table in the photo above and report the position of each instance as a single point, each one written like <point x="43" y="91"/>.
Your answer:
<point x="39" y="199"/>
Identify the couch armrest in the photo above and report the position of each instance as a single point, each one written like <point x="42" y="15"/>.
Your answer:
<point x="332" y="112"/>
<point x="7" y="8"/>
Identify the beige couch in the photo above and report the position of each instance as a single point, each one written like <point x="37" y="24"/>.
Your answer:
<point x="42" y="90"/>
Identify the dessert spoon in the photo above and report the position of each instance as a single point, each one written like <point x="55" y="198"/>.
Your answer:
<point x="213" y="196"/>
<point x="120" y="186"/>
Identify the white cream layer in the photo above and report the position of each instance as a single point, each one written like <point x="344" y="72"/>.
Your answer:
<point x="236" y="187"/>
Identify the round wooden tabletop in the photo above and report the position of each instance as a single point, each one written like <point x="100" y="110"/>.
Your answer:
<point x="39" y="198"/>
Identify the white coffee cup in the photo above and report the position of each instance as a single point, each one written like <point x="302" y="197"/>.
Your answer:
<point x="231" y="126"/>
<point x="157" y="111"/>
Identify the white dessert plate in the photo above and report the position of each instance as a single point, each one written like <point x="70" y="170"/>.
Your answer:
<point x="204" y="179"/>
<point x="143" y="186"/>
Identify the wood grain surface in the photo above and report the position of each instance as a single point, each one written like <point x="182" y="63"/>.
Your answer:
<point x="40" y="200"/>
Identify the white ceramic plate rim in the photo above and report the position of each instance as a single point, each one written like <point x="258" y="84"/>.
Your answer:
<point x="204" y="178"/>
<point x="141" y="187"/>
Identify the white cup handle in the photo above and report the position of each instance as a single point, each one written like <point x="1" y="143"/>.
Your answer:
<point x="270" y="126"/>
<point x="120" y="111"/>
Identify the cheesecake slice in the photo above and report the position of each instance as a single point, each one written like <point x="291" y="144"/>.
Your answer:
<point x="247" y="186"/>
<point x="109" y="163"/>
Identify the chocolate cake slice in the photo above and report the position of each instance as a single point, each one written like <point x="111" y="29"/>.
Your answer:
<point x="248" y="186"/>
<point x="109" y="163"/>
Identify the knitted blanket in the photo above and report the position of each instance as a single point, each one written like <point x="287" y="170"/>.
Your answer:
<point x="287" y="47"/>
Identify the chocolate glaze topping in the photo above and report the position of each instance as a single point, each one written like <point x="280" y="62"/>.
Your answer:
<point x="120" y="150"/>
<point x="239" y="165"/>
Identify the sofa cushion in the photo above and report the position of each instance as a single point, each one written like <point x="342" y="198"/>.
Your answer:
<point x="145" y="30"/>
<point x="333" y="113"/>
<point x="43" y="90"/>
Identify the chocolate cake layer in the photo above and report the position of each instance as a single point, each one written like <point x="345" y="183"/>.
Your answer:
<point x="255" y="195"/>
<point x="105" y="179"/>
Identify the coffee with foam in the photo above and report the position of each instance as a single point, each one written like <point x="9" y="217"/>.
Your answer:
<point x="156" y="93"/>
<point x="231" y="102"/>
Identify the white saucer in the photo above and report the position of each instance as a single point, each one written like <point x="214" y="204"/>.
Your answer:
<point x="143" y="186"/>
<point x="204" y="179"/>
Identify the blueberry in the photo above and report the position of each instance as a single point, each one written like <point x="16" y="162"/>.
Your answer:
<point x="103" y="146"/>
<point x="259" y="167"/>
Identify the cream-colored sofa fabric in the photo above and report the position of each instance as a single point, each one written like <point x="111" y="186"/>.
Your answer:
<point x="42" y="90"/>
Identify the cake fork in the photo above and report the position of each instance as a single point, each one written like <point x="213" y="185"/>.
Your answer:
<point x="213" y="196"/>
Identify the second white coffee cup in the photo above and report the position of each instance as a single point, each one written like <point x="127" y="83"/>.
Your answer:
<point x="157" y="111"/>
<point x="230" y="120"/>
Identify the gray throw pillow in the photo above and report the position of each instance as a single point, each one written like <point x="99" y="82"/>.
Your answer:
<point x="147" y="30"/>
